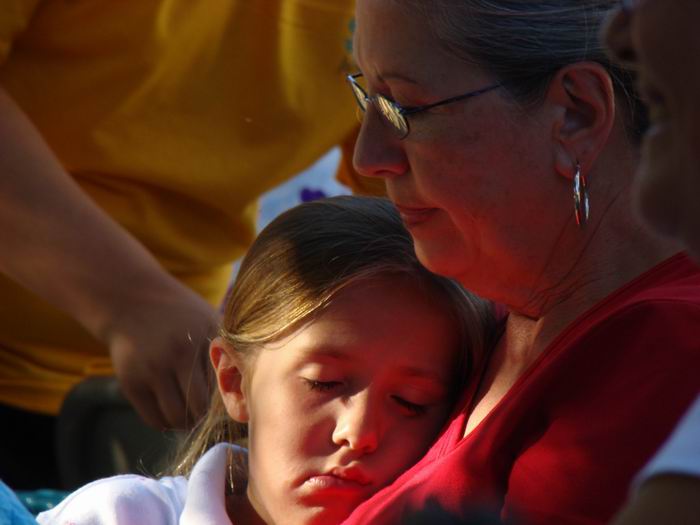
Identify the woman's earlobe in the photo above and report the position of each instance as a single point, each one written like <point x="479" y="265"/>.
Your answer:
<point x="229" y="369"/>
<point x="565" y="162"/>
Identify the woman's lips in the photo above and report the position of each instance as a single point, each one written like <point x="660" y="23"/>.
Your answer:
<point x="414" y="216"/>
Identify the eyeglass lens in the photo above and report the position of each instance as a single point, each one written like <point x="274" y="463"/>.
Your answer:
<point x="386" y="108"/>
<point x="389" y="110"/>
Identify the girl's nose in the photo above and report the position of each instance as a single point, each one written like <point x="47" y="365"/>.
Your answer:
<point x="358" y="424"/>
<point x="378" y="152"/>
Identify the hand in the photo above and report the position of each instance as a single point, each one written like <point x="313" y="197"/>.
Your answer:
<point x="155" y="328"/>
<point x="159" y="351"/>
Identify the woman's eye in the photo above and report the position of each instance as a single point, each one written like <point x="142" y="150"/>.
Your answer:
<point x="321" y="386"/>
<point x="412" y="408"/>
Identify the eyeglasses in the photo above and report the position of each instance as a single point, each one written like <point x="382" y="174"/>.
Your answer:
<point x="394" y="112"/>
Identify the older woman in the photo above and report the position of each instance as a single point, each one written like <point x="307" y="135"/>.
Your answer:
<point x="508" y="143"/>
<point x="659" y="39"/>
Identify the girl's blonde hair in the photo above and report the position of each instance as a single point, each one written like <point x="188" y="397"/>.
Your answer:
<point x="295" y="268"/>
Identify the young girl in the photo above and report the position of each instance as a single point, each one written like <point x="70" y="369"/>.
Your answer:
<point x="339" y="359"/>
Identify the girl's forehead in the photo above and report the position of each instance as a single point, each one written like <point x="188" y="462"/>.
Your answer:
<point x="398" y="317"/>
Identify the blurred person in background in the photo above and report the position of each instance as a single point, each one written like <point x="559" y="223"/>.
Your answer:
<point x="135" y="138"/>
<point x="660" y="41"/>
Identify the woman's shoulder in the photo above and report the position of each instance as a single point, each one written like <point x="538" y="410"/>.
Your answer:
<point x="664" y="301"/>
<point x="123" y="499"/>
<point x="675" y="280"/>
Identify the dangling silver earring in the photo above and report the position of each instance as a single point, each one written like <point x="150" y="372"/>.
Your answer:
<point x="581" y="204"/>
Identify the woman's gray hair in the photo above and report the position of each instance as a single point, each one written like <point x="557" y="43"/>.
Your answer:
<point x="524" y="43"/>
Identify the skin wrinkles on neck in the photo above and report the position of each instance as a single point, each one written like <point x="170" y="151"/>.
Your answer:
<point x="589" y="278"/>
<point x="612" y="256"/>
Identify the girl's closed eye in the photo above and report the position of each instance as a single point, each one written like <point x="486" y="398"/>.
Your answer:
<point x="320" y="386"/>
<point x="411" y="408"/>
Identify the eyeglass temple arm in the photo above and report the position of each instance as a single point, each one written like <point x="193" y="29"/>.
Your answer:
<point x="416" y="109"/>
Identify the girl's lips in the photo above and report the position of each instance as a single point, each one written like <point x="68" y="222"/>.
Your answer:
<point x="320" y="487"/>
<point x="329" y="481"/>
<point x="414" y="216"/>
<point x="339" y="477"/>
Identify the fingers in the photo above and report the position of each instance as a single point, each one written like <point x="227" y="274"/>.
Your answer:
<point x="163" y="370"/>
<point x="157" y="397"/>
<point x="171" y="400"/>
<point x="166" y="403"/>
<point x="197" y="386"/>
<point x="184" y="396"/>
<point x="146" y="406"/>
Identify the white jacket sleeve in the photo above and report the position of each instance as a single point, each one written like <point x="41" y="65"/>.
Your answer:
<point x="681" y="452"/>
<point x="121" y="500"/>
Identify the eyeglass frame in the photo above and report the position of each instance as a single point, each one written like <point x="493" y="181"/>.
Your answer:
<point x="401" y="112"/>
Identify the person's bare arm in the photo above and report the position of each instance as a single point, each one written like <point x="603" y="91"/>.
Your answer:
<point x="57" y="243"/>
<point x="667" y="499"/>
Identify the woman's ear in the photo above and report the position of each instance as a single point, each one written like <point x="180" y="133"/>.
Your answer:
<point x="584" y="97"/>
<point x="229" y="369"/>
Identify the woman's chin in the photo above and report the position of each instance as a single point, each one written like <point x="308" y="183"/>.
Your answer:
<point x="440" y="258"/>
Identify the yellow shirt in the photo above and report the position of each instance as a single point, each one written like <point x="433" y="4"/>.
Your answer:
<point x="174" y="116"/>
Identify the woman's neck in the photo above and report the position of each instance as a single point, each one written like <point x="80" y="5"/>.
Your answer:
<point x="606" y="267"/>
<point x="515" y="351"/>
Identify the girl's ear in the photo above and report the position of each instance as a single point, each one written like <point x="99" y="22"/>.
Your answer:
<point x="229" y="370"/>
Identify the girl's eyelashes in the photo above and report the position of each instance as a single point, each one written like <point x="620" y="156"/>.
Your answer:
<point x="412" y="408"/>
<point x="321" y="386"/>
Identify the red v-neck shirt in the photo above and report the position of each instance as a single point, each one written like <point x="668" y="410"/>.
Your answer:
<point x="564" y="443"/>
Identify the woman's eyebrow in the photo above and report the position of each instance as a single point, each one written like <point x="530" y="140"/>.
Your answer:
<point x="396" y="76"/>
<point x="387" y="75"/>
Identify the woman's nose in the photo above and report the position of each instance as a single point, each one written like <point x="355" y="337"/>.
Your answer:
<point x="617" y="36"/>
<point x="378" y="151"/>
<point x="358" y="424"/>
